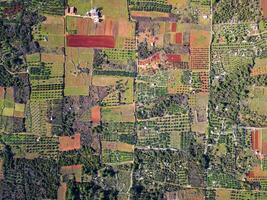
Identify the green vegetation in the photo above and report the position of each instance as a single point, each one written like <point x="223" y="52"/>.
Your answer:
<point x="89" y="190"/>
<point x="85" y="156"/>
<point x="156" y="5"/>
<point x="163" y="115"/>
<point x="218" y="179"/>
<point x="31" y="146"/>
<point x="244" y="10"/>
<point x="36" y="178"/>
<point x="116" y="157"/>
<point x="119" y="131"/>
<point x="233" y="86"/>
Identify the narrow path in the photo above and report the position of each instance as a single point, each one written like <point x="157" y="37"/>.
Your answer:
<point x="14" y="73"/>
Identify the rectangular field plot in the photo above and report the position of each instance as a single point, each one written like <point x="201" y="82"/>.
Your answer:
<point x="222" y="194"/>
<point x="121" y="10"/>
<point x="46" y="76"/>
<point x="119" y="131"/>
<point x="71" y="24"/>
<point x="199" y="111"/>
<point x="259" y="141"/>
<point x="120" y="55"/>
<point x="149" y="87"/>
<point x="257" y="174"/>
<point x="121" y="89"/>
<point x="47" y="89"/>
<point x="116" y="157"/>
<point x="220" y="179"/>
<point x="31" y="146"/>
<point x="8" y="106"/>
<point x="117" y="146"/>
<point x="95" y="41"/>
<point x="163" y="131"/>
<point x="156" y="5"/>
<point x="257" y="101"/>
<point x="37" y="119"/>
<point x="50" y="33"/>
<point x="194" y="194"/>
<point x="122" y="113"/>
<point x="69" y="143"/>
<point x="77" y="74"/>
<point x="199" y="58"/>
<point x="175" y="84"/>
<point x="127" y="43"/>
<point x="260" y="67"/>
<point x="200" y="39"/>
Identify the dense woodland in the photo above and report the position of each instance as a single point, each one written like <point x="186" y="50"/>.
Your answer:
<point x="236" y="10"/>
<point x="28" y="179"/>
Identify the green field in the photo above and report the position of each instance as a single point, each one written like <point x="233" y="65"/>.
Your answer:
<point x="122" y="113"/>
<point x="257" y="101"/>
<point x="84" y="6"/>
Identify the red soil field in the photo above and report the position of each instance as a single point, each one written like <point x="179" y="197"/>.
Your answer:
<point x="255" y="136"/>
<point x="250" y="174"/>
<point x="71" y="167"/>
<point x="256" y="139"/>
<point x="204" y="77"/>
<point x="62" y="190"/>
<point x="82" y="26"/>
<point x="256" y="173"/>
<point x="173" y="58"/>
<point x="100" y="29"/>
<point x="155" y="57"/>
<point x="264" y="8"/>
<point x="108" y="27"/>
<point x="252" y="140"/>
<point x="173" y="27"/>
<point x="264" y="148"/>
<point x="179" y="38"/>
<point x="259" y="71"/>
<point x="199" y="58"/>
<point x="67" y="143"/>
<point x="92" y="41"/>
<point x="95" y="114"/>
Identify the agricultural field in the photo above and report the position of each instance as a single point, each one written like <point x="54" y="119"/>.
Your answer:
<point x="199" y="108"/>
<point x="122" y="113"/>
<point x="121" y="89"/>
<point x="108" y="7"/>
<point x="119" y="131"/>
<point x="186" y="194"/>
<point x="236" y="194"/>
<point x="236" y="107"/>
<point x="30" y="146"/>
<point x="8" y="106"/>
<point x="50" y="33"/>
<point x="163" y="131"/>
<point x="257" y="100"/>
<point x="133" y="99"/>
<point x="78" y="67"/>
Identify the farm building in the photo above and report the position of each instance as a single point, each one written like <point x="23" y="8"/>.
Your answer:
<point x="70" y="10"/>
